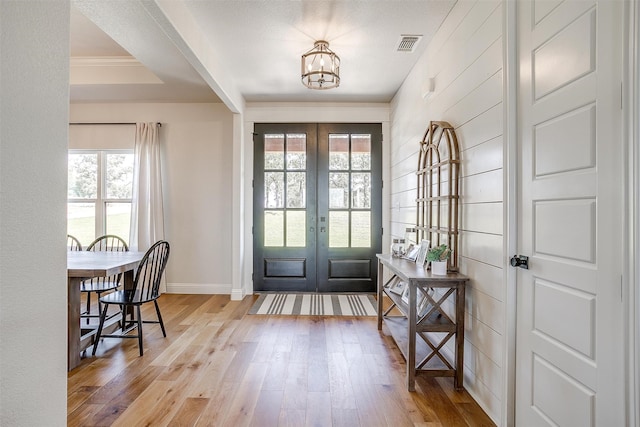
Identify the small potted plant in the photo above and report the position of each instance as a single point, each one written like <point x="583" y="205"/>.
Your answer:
<point x="438" y="257"/>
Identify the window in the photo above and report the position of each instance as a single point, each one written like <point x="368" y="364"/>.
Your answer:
<point x="100" y="188"/>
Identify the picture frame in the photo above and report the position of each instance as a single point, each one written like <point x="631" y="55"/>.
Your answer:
<point x="422" y="252"/>
<point x="412" y="252"/>
<point x="424" y="305"/>
<point x="405" y="295"/>
<point x="398" y="287"/>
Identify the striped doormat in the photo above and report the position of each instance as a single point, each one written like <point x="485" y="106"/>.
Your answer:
<point x="315" y="304"/>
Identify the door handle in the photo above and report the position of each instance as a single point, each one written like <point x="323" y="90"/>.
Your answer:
<point x="520" y="261"/>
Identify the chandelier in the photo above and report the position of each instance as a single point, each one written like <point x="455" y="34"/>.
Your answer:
<point x="320" y="67"/>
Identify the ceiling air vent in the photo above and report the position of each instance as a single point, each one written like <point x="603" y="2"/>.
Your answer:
<point x="408" y="42"/>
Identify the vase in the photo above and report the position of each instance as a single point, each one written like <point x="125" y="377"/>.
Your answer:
<point x="439" y="268"/>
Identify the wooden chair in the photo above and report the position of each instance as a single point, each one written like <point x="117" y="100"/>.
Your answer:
<point x="99" y="285"/>
<point x="73" y="244"/>
<point x="146" y="288"/>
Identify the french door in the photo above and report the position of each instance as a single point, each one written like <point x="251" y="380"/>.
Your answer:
<point x="317" y="207"/>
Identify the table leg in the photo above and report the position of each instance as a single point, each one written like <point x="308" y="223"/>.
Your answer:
<point x="411" y="339"/>
<point x="459" y="377"/>
<point x="128" y="284"/>
<point x="73" y="322"/>
<point x="380" y="295"/>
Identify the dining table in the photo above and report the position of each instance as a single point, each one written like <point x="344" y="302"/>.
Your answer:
<point x="83" y="265"/>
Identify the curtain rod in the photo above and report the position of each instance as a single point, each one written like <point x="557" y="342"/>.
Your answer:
<point x="122" y="123"/>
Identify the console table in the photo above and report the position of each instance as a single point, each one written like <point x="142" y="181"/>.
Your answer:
<point x="422" y="314"/>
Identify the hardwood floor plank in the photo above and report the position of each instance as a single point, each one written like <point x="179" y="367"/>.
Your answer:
<point x="276" y="376"/>
<point x="246" y="396"/>
<point x="342" y="396"/>
<point x="79" y="396"/>
<point x="318" y="409"/>
<point x="468" y="408"/>
<point x="447" y="412"/>
<point x="267" y="410"/>
<point x="344" y="417"/>
<point x="292" y="417"/>
<point x="216" y="411"/>
<point x="220" y="367"/>
<point x="146" y="410"/>
<point x="189" y="412"/>
<point x="79" y="416"/>
<point x="295" y="387"/>
<point x="368" y="405"/>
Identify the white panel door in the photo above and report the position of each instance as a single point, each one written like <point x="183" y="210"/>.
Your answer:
<point x="569" y="355"/>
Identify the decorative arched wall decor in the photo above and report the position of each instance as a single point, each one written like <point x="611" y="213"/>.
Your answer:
<point x="438" y="189"/>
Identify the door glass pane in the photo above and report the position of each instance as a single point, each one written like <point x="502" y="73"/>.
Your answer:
<point x="83" y="176"/>
<point x="296" y="151"/>
<point x="361" y="152"/>
<point x="360" y="229"/>
<point x="81" y="221"/>
<point x="274" y="228"/>
<point x="361" y="190"/>
<point x="296" y="186"/>
<point x="274" y="151"/>
<point x="274" y="189"/>
<point x="338" y="190"/>
<point x="119" y="175"/>
<point x="339" y="229"/>
<point x="118" y="218"/>
<point x="338" y="152"/>
<point x="296" y="229"/>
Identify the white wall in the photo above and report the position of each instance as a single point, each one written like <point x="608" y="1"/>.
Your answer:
<point x="34" y="97"/>
<point x="465" y="58"/>
<point x="197" y="154"/>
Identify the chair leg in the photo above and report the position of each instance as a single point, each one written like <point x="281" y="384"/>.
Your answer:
<point x="139" y="330"/>
<point x="89" y="306"/>
<point x="124" y="318"/>
<point x="98" y="294"/>
<point x="160" y="318"/>
<point x="103" y="315"/>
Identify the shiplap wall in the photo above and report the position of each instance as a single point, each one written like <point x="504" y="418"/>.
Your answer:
<point x="465" y="59"/>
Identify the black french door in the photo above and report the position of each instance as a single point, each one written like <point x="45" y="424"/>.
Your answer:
<point x="317" y="207"/>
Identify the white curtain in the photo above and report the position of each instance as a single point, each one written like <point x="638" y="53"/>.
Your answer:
<point x="147" y="217"/>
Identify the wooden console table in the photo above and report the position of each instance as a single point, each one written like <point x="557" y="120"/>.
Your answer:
<point x="422" y="313"/>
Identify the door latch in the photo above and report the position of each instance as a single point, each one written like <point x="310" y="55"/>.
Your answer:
<point x="520" y="261"/>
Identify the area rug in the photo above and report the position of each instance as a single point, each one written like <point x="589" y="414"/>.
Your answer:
<point x="315" y="304"/>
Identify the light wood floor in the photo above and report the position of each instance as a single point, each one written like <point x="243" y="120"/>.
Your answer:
<point x="221" y="367"/>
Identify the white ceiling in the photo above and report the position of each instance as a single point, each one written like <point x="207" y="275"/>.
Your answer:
<point x="258" y="44"/>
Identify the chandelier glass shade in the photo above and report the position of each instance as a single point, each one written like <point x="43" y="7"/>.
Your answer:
<point x="320" y="67"/>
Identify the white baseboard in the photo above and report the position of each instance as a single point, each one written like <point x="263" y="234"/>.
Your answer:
<point x="199" y="288"/>
<point x="237" y="294"/>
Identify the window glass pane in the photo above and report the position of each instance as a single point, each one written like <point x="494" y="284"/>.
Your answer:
<point x="339" y="229"/>
<point x="274" y="228"/>
<point x="119" y="175"/>
<point x="296" y="186"/>
<point x="338" y="190"/>
<point x="338" y="152"/>
<point x="274" y="189"/>
<point x="296" y="151"/>
<point x="83" y="176"/>
<point x="360" y="229"/>
<point x="361" y="190"/>
<point x="118" y="218"/>
<point x="296" y="229"/>
<point x="361" y="152"/>
<point x="81" y="222"/>
<point x="274" y="151"/>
